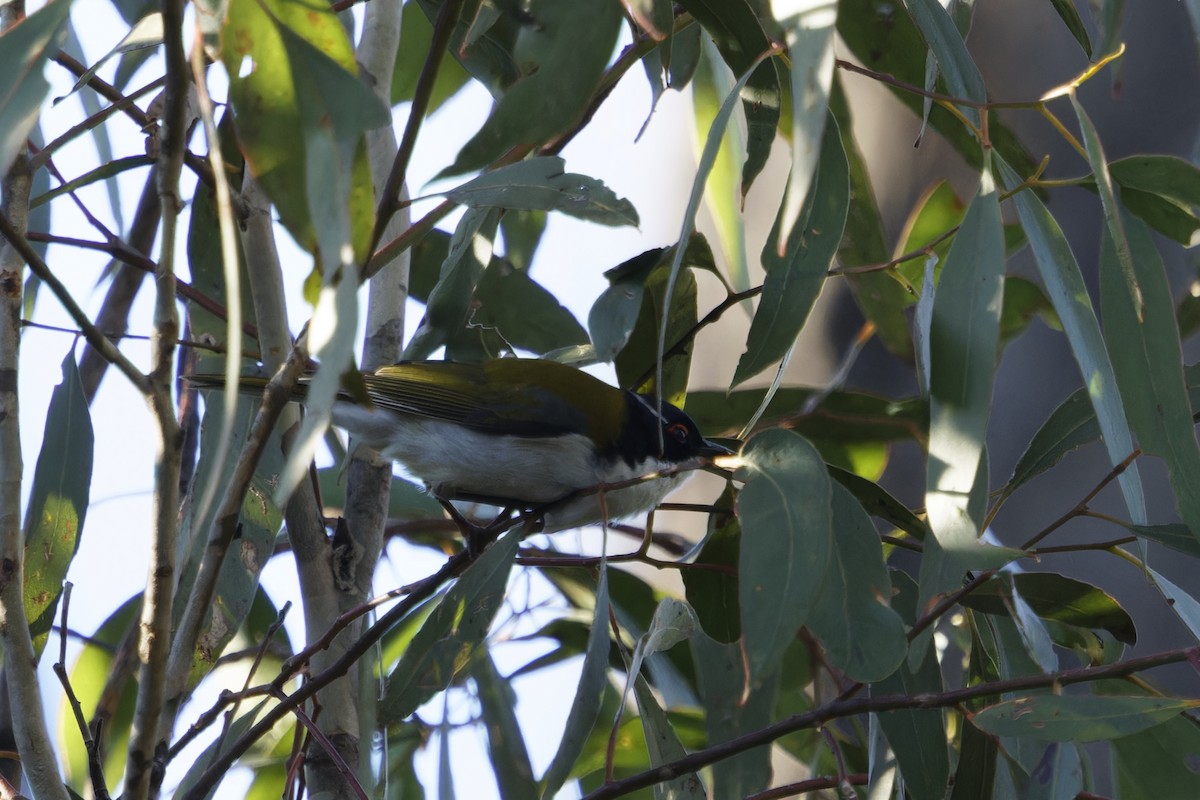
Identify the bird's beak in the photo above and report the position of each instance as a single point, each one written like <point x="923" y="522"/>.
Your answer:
<point x="711" y="449"/>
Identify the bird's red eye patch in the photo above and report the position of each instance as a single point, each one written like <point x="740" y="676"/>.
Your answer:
<point x="678" y="431"/>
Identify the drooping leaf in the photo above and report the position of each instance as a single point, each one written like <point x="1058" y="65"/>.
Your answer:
<point x="416" y="34"/>
<point x="722" y="680"/>
<point x="24" y="50"/>
<point x="558" y="81"/>
<point x="917" y="736"/>
<point x="809" y="33"/>
<point x="58" y="501"/>
<point x="784" y="510"/>
<point x="448" y="305"/>
<point x="585" y="707"/>
<point x="885" y="39"/>
<point x="795" y="279"/>
<point x="1070" y="17"/>
<point x="955" y="64"/>
<point x="739" y="34"/>
<point x="664" y="746"/>
<point x="1148" y="360"/>
<point x="964" y="332"/>
<point x="713" y="592"/>
<point x="506" y="743"/>
<point x="441" y="650"/>
<point x="860" y="632"/>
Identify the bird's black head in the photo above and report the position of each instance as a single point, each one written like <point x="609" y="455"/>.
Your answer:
<point x="681" y="439"/>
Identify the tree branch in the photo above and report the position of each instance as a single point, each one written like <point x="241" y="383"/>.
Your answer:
<point x="839" y="709"/>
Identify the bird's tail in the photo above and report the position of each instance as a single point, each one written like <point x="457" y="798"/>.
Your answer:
<point x="251" y="385"/>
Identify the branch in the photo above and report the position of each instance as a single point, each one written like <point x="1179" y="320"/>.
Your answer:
<point x="155" y="627"/>
<point x="91" y="333"/>
<point x="839" y="709"/>
<point x="24" y="699"/>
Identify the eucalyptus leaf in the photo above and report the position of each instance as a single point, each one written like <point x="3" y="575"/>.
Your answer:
<point x="784" y="510"/>
<point x="440" y="650"/>
<point x="1078" y="718"/>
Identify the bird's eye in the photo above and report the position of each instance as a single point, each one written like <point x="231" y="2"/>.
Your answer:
<point x="678" y="431"/>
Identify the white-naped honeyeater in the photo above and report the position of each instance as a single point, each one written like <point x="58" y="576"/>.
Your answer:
<point x="520" y="432"/>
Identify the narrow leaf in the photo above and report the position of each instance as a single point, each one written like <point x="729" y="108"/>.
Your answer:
<point x="808" y="28"/>
<point x="586" y="706"/>
<point x="1078" y="718"/>
<point x="58" y="500"/>
<point x="664" y="747"/>
<point x="506" y="744"/>
<point x="442" y="648"/>
<point x="954" y="62"/>
<point x="24" y="50"/>
<point x="795" y="279"/>
<point x="1148" y="361"/>
<point x="1068" y="293"/>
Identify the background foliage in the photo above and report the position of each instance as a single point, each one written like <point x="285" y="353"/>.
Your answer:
<point x="874" y="601"/>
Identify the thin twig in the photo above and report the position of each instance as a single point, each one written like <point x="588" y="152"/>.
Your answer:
<point x="839" y="709"/>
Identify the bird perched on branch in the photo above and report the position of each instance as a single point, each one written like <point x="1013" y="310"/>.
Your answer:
<point x="521" y="433"/>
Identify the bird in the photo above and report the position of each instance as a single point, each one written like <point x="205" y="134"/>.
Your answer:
<point x="526" y="434"/>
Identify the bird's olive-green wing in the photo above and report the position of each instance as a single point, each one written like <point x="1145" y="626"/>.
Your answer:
<point x="520" y="397"/>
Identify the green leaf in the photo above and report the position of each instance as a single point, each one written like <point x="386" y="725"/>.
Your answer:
<point x="1147" y="358"/>
<point x="842" y="415"/>
<point x="1185" y="606"/>
<point x="664" y="747"/>
<point x="541" y="184"/>
<point x="585" y="707"/>
<point x="712" y="593"/>
<point x="24" y="50"/>
<point x="1058" y="598"/>
<point x="1159" y="763"/>
<point x="103" y="172"/>
<point x="877" y="293"/>
<point x="884" y="38"/>
<point x="1113" y="222"/>
<point x="58" y="501"/>
<point x="1023" y="301"/>
<point x="964" y="333"/>
<point x="723" y="189"/>
<point x="441" y="650"/>
<point x="739" y="34"/>
<point x="637" y="357"/>
<point x="506" y="744"/>
<point x="449" y="301"/>
<point x="722" y="681"/>
<point x="809" y="37"/>
<point x="917" y="736"/>
<point x="558" y="82"/>
<point x="795" y="278"/>
<point x="235" y="729"/>
<point x="93" y="673"/>
<point x="523" y="312"/>
<point x="784" y="509"/>
<point x="1070" y="17"/>
<point x="1077" y="718"/>
<point x="861" y="634"/>
<point x="878" y="503"/>
<point x="954" y="62"/>
<point x="291" y="69"/>
<point x="416" y="34"/>
<point x="1064" y="284"/>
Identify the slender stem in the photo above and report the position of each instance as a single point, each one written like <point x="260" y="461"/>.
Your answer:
<point x="94" y="336"/>
<point x="155" y="626"/>
<point x="389" y="201"/>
